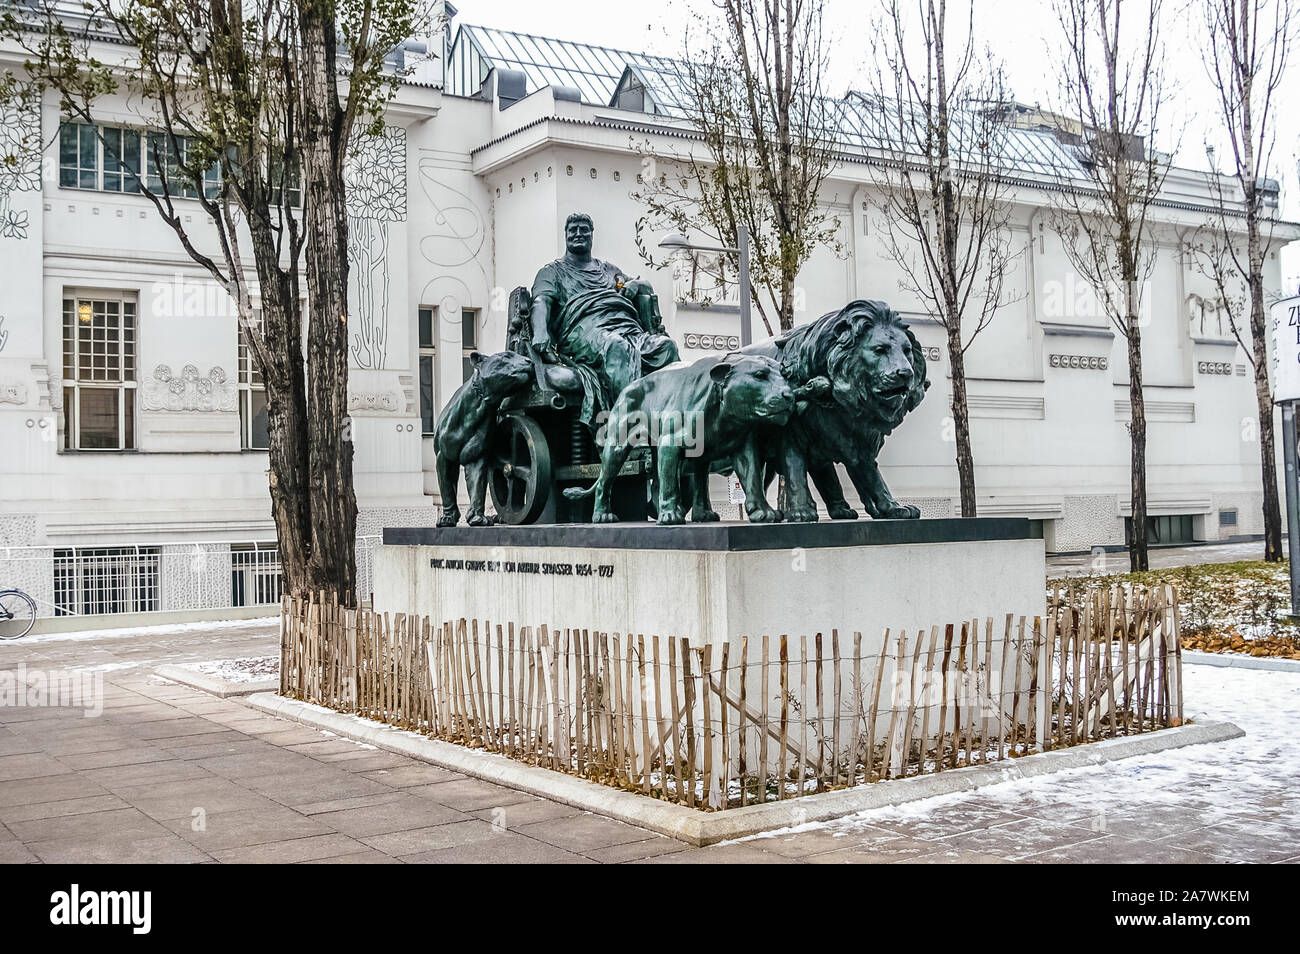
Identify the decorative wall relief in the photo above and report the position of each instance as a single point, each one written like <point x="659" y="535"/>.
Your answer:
<point x="457" y="236"/>
<point x="20" y="161"/>
<point x="458" y="230"/>
<point x="711" y="342"/>
<point x="4" y="335"/>
<point x="701" y="279"/>
<point x="387" y="402"/>
<point x="376" y="176"/>
<point x="1079" y="362"/>
<point x="13" y="392"/>
<point x="374" y="393"/>
<point x="188" y="391"/>
<point x="1209" y="317"/>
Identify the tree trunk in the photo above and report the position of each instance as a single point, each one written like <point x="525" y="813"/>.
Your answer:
<point x="332" y="500"/>
<point x="1248" y="176"/>
<point x="787" y="303"/>
<point x="961" y="423"/>
<point x="1263" y="396"/>
<point x="282" y="370"/>
<point x="1137" y="549"/>
<point x="944" y="201"/>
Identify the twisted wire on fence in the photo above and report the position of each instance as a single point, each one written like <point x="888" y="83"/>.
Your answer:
<point x="724" y="725"/>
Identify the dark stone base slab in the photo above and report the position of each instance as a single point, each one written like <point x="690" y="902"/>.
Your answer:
<point x="728" y="536"/>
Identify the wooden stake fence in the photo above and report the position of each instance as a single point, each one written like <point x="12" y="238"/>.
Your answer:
<point x="727" y="725"/>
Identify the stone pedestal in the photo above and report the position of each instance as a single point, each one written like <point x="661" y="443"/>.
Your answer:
<point x="717" y="582"/>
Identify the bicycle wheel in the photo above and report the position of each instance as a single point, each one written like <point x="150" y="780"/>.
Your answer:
<point x="17" y="614"/>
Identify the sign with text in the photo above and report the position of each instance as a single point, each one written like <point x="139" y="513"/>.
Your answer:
<point x="1286" y="350"/>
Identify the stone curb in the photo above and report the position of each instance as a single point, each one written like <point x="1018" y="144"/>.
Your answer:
<point x="700" y="828"/>
<point x="212" y="684"/>
<point x="1238" y="661"/>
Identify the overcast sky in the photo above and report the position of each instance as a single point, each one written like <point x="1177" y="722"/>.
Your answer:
<point x="1022" y="32"/>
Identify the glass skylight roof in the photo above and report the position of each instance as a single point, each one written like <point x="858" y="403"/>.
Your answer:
<point x="596" y="72"/>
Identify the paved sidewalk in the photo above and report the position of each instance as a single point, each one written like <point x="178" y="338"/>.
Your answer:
<point x="170" y="774"/>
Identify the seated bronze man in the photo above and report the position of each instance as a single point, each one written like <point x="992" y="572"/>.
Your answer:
<point x="587" y="314"/>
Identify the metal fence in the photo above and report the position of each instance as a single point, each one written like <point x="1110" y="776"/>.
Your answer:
<point x="255" y="578"/>
<point x="174" y="576"/>
<point x="89" y="581"/>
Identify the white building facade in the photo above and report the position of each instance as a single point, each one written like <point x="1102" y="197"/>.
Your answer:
<point x="131" y="424"/>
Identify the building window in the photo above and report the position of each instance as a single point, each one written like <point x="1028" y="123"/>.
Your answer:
<point x="428" y="361"/>
<point x="120" y="169"/>
<point x="78" y="156"/>
<point x="94" y="580"/>
<point x="163" y="160"/>
<point x="469" y="340"/>
<point x="291" y="180"/>
<point x="115" y="159"/>
<point x="1164" y="531"/>
<point x="253" y="432"/>
<point x="254" y="574"/>
<point x="106" y="158"/>
<point x="98" y="374"/>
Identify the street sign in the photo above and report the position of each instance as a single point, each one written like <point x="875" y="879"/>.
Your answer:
<point x="1285" y="323"/>
<point x="1286" y="391"/>
<point x="735" y="493"/>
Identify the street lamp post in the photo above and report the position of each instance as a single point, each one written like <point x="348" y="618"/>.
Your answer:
<point x="682" y="243"/>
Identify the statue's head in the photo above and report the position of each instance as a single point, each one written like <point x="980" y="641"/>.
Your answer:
<point x="752" y="389"/>
<point x="578" y="231"/>
<point x="874" y="364"/>
<point x="501" y="374"/>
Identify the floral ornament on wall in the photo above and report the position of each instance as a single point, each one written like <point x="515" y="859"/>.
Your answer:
<point x="20" y="161"/>
<point x="376" y="180"/>
<point x="188" y="391"/>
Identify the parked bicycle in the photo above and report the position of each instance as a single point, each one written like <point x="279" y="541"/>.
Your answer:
<point x="17" y="614"/>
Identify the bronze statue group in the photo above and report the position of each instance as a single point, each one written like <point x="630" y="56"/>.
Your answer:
<point x="824" y="393"/>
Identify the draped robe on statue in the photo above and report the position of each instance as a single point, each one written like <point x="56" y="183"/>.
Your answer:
<point x="598" y="331"/>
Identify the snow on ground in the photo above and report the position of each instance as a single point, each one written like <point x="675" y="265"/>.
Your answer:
<point x="247" y="669"/>
<point x="1257" y="773"/>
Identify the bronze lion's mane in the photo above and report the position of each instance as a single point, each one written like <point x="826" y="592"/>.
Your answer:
<point x="829" y="345"/>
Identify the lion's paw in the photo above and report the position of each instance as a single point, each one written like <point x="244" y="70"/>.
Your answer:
<point x="841" y="511"/>
<point x="671" y="515"/>
<point x="901" y="512"/>
<point x="705" y="516"/>
<point x="766" y="515"/>
<point x="801" y="515"/>
<point x="604" y="516"/>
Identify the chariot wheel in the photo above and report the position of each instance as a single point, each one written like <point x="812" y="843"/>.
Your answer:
<point x="520" y="470"/>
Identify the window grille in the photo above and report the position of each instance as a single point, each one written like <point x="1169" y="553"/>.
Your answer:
<point x="255" y="578"/>
<point x="99" y="580"/>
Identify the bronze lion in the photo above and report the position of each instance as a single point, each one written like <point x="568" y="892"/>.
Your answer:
<point x="693" y="415"/>
<point x="877" y="373"/>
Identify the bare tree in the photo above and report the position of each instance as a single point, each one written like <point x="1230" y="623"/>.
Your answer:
<point x="756" y="99"/>
<point x="244" y="107"/>
<point x="944" y="209"/>
<point x="1247" y="52"/>
<point x="1112" y="87"/>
